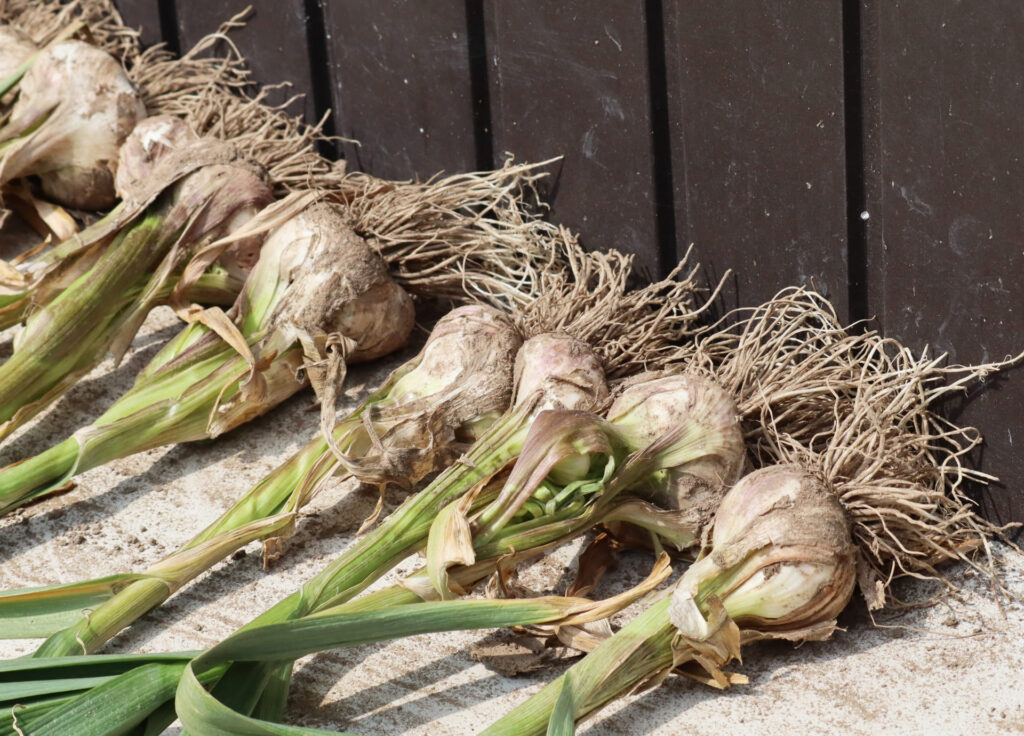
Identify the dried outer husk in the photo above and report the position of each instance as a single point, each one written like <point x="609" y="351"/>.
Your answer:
<point x="862" y="411"/>
<point x="341" y="306"/>
<point x="775" y="518"/>
<point x="74" y="109"/>
<point x="782" y="564"/>
<point x="151" y="141"/>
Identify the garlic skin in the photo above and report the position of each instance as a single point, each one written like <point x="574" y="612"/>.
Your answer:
<point x="15" y="48"/>
<point x="338" y="284"/>
<point x="566" y="371"/>
<point x="214" y="201"/>
<point x="782" y="558"/>
<point x="450" y="393"/>
<point x="471" y="353"/>
<point x="654" y="404"/>
<point x="150" y="141"/>
<point x="92" y="107"/>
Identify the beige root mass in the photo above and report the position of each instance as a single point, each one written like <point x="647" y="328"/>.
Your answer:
<point x="631" y="329"/>
<point x="860" y="410"/>
<point x="43" y="20"/>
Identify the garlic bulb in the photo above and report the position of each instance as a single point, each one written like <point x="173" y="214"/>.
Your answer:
<point x="88" y="107"/>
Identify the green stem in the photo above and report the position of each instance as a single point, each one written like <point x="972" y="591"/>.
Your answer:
<point x="285" y="490"/>
<point x="69" y="335"/>
<point x="106" y="620"/>
<point x="401" y="533"/>
<point x="373" y="555"/>
<point x="638" y="651"/>
<point x="49" y="469"/>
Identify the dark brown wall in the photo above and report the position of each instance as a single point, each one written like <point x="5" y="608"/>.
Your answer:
<point x="402" y="86"/>
<point x="756" y="130"/>
<point x="567" y="81"/>
<point x="945" y="182"/>
<point x="758" y="143"/>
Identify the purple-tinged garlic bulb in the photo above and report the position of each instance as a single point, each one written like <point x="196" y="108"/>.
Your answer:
<point x="566" y="373"/>
<point x="653" y="405"/>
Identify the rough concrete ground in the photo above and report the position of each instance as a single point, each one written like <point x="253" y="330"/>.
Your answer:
<point x="951" y="668"/>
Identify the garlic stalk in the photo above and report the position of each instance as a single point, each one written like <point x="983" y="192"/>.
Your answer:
<point x="411" y="425"/>
<point x="781" y="565"/>
<point x="316" y="278"/>
<point x="575" y="377"/>
<point x="212" y="193"/>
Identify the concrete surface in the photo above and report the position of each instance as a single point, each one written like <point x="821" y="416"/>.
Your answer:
<point x="951" y="668"/>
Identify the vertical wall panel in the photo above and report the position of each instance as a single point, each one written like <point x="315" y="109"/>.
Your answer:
<point x="144" y="15"/>
<point x="756" y="113"/>
<point x="571" y="79"/>
<point x="946" y="199"/>
<point x="273" y="41"/>
<point x="402" y="85"/>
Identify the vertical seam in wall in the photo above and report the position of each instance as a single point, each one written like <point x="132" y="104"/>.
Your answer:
<point x="856" y="204"/>
<point x="320" y="75"/>
<point x="168" y="15"/>
<point x="476" y="42"/>
<point x="661" y="139"/>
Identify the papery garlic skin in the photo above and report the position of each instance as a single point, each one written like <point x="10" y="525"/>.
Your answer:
<point x="652" y="405"/>
<point x="92" y="108"/>
<point x="566" y="371"/>
<point x="782" y="557"/>
<point x="473" y="342"/>
<point x="150" y="140"/>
